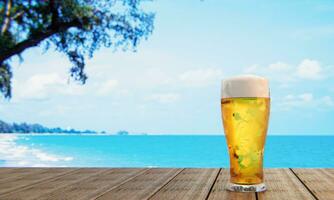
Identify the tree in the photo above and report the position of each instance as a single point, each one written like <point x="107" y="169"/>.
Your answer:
<point x="122" y="133"/>
<point x="76" y="28"/>
<point x="35" y="128"/>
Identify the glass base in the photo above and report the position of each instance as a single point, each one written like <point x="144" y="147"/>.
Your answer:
<point x="246" y="188"/>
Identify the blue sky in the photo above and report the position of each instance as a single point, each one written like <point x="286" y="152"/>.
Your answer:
<point x="172" y="83"/>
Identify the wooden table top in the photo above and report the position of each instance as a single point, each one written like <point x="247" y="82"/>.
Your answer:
<point x="158" y="184"/>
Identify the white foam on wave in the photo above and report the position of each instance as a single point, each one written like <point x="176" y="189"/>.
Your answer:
<point x="245" y="86"/>
<point x="15" y="155"/>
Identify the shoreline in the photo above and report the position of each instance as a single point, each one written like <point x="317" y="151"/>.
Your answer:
<point x="192" y="135"/>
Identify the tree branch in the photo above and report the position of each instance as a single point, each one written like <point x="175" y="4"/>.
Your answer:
<point x="35" y="39"/>
<point x="18" y="14"/>
<point x="54" y="12"/>
<point x="6" y="16"/>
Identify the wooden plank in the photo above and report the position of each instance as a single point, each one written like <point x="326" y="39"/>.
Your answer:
<point x="283" y="184"/>
<point x="142" y="186"/>
<point x="219" y="189"/>
<point x="94" y="185"/>
<point x="319" y="181"/>
<point x="189" y="184"/>
<point x="5" y="170"/>
<point x="13" y="173"/>
<point x="125" y="183"/>
<point x="34" y="176"/>
<point x="329" y="170"/>
<point x="60" y="183"/>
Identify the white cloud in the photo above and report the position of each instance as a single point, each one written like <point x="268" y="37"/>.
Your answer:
<point x="107" y="87"/>
<point x="296" y="100"/>
<point x="39" y="86"/>
<point x="309" y="69"/>
<point x="306" y="97"/>
<point x="73" y="89"/>
<point x="42" y="86"/>
<point x="327" y="101"/>
<point x="149" y="78"/>
<point x="279" y="71"/>
<point x="58" y="110"/>
<point x="285" y="73"/>
<point x="279" y="66"/>
<point x="164" y="97"/>
<point x="201" y="77"/>
<point x="305" y="100"/>
<point x="252" y="69"/>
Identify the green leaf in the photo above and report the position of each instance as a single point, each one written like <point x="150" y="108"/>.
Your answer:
<point x="237" y="116"/>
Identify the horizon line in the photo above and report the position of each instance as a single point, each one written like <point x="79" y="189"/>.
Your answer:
<point x="157" y="134"/>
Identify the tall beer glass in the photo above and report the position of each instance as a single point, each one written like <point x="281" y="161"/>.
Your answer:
<point x="245" y="106"/>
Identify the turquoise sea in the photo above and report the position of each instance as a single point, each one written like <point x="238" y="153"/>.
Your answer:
<point x="156" y="151"/>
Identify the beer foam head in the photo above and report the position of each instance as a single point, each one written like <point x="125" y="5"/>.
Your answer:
<point x="245" y="86"/>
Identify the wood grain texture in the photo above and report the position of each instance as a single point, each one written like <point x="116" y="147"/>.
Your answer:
<point x="283" y="184"/>
<point x="12" y="173"/>
<point x="190" y="184"/>
<point x="329" y="170"/>
<point x="219" y="191"/>
<point x="47" y="187"/>
<point x="4" y="171"/>
<point x="319" y="181"/>
<point x="28" y="177"/>
<point x="94" y="185"/>
<point x="156" y="184"/>
<point x="142" y="186"/>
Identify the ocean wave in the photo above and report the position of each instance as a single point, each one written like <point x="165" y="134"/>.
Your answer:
<point x="16" y="155"/>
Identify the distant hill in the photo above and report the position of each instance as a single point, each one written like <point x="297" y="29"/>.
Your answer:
<point x="122" y="133"/>
<point x="35" y="128"/>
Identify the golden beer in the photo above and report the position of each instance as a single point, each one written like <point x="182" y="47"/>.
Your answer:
<point x="245" y="123"/>
<point x="245" y="114"/>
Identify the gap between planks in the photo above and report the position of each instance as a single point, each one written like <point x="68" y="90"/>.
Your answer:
<point x="284" y="184"/>
<point x="41" y="181"/>
<point x="155" y="178"/>
<point x="213" y="183"/>
<point x="125" y="181"/>
<point x="165" y="184"/>
<point x="308" y="189"/>
<point x="294" y="173"/>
